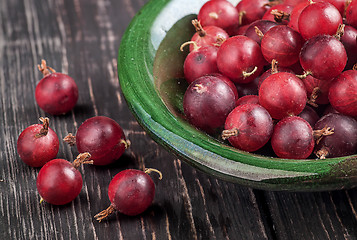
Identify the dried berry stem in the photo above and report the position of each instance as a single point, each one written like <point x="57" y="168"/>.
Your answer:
<point x="248" y="74"/>
<point x="195" y="47"/>
<point x="340" y="31"/>
<point x="126" y="143"/>
<point x="258" y="32"/>
<point x="70" y="139"/>
<point x="199" y="28"/>
<point x="105" y="213"/>
<point x="319" y="134"/>
<point x="354" y="67"/>
<point x="279" y="16"/>
<point x="322" y="153"/>
<point x="219" y="41"/>
<point x="314" y="95"/>
<point x="44" y="69"/>
<point x="229" y="133"/>
<point x="306" y="73"/>
<point x="273" y="3"/>
<point x="240" y="19"/>
<point x="150" y="170"/>
<point x="274" y="66"/>
<point x="82" y="158"/>
<point x="44" y="130"/>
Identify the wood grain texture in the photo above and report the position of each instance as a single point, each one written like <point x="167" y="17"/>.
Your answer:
<point x="81" y="38"/>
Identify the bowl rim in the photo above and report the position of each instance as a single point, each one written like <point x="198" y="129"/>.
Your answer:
<point x="135" y="63"/>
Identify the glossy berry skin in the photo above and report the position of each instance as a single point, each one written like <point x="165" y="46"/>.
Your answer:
<point x="282" y="94"/>
<point x="269" y="72"/>
<point x="220" y="13"/>
<point x="58" y="182"/>
<point x="309" y="115"/>
<point x="251" y="10"/>
<point x="254" y="125"/>
<point x="36" y="151"/>
<point x="103" y="138"/>
<point x="351" y="14"/>
<point x="348" y="40"/>
<point x="252" y="99"/>
<point x="199" y="62"/>
<point x="262" y="25"/>
<point x="295" y="14"/>
<point x="56" y="93"/>
<point x="293" y="138"/>
<point x="318" y="87"/>
<point x="131" y="192"/>
<point x="228" y="81"/>
<point x="283" y="44"/>
<point x="324" y="56"/>
<point x="211" y="36"/>
<point x="343" y="93"/>
<point x="343" y="141"/>
<point x="319" y="18"/>
<point x="210" y="97"/>
<point x="238" y="56"/>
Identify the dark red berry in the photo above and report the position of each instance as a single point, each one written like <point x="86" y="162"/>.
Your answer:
<point x="343" y="93"/>
<point x="211" y="97"/>
<point x="295" y="14"/>
<point x="319" y="18"/>
<point x="220" y="13"/>
<point x="310" y="115"/>
<point x="348" y="40"/>
<point x="258" y="28"/>
<point x="199" y="62"/>
<point x="59" y="182"/>
<point x="324" y="56"/>
<point x="56" y="93"/>
<point x="282" y="94"/>
<point x="207" y="36"/>
<point x="240" y="59"/>
<point x="342" y="141"/>
<point x="283" y="44"/>
<point x="251" y="10"/>
<point x="252" y="99"/>
<point x="102" y="137"/>
<point x="293" y="138"/>
<point x="351" y="14"/>
<point x="38" y="144"/>
<point x="248" y="127"/>
<point x="130" y="192"/>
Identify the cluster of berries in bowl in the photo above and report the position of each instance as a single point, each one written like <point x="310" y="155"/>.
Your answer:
<point x="100" y="141"/>
<point x="278" y="73"/>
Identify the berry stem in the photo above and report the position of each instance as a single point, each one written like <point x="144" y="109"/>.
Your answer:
<point x="44" y="69"/>
<point x="105" y="213"/>
<point x="229" y="133"/>
<point x="314" y="95"/>
<point x="44" y="130"/>
<point x="258" y="32"/>
<point x="126" y="143"/>
<point x="199" y="28"/>
<point x="82" y="158"/>
<point x="279" y="16"/>
<point x="354" y="67"/>
<point x="248" y="74"/>
<point x="274" y="66"/>
<point x="319" y="134"/>
<point x="322" y="153"/>
<point x="340" y="31"/>
<point x="150" y="170"/>
<point x="240" y="19"/>
<point x="195" y="46"/>
<point x="70" y="139"/>
<point x="306" y="73"/>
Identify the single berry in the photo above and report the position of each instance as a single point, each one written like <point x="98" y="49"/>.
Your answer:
<point x="248" y="127"/>
<point x="56" y="93"/>
<point x="59" y="182"/>
<point x="102" y="137"/>
<point x="38" y="144"/>
<point x="130" y="192"/>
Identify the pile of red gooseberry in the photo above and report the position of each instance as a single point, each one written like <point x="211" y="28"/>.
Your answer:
<point x="99" y="140"/>
<point x="278" y="74"/>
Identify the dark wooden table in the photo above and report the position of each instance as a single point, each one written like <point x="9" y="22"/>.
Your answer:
<point x="81" y="38"/>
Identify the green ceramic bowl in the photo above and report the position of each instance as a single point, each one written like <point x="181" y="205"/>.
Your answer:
<point x="151" y="79"/>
